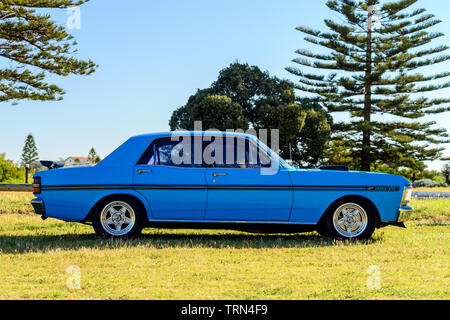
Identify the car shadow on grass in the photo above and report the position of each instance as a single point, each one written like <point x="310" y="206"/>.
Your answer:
<point x="19" y="244"/>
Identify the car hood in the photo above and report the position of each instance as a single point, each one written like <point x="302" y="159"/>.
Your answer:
<point x="316" y="177"/>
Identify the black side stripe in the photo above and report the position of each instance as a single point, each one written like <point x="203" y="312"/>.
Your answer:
<point x="220" y="187"/>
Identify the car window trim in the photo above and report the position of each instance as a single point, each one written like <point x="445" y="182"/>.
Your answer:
<point x="257" y="147"/>
<point x="204" y="165"/>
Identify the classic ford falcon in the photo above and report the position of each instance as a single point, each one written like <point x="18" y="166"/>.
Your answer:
<point x="218" y="180"/>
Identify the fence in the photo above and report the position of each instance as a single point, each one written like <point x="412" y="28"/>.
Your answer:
<point x="16" y="187"/>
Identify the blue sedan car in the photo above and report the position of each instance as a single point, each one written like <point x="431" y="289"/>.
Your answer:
<point x="218" y="180"/>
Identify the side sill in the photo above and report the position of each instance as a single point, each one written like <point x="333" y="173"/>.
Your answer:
<point x="256" y="227"/>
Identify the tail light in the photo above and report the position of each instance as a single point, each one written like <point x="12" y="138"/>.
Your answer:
<point x="37" y="185"/>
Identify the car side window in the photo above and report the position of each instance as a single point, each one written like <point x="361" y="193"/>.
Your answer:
<point x="237" y="153"/>
<point x="166" y="152"/>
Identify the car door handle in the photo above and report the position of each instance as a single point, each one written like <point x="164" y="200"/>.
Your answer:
<point x="144" y="171"/>
<point x="216" y="174"/>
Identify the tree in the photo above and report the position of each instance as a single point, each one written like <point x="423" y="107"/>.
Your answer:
<point x="446" y="172"/>
<point x="289" y="119"/>
<point x="34" y="47"/>
<point x="215" y="112"/>
<point x="93" y="157"/>
<point x="244" y="97"/>
<point x="9" y="172"/>
<point x="312" y="140"/>
<point x="372" y="75"/>
<point x="253" y="89"/>
<point x="29" y="152"/>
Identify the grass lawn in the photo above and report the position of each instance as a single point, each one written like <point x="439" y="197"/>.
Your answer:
<point x="414" y="263"/>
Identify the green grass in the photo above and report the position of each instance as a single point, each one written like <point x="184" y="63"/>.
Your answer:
<point x="204" y="264"/>
<point x="16" y="202"/>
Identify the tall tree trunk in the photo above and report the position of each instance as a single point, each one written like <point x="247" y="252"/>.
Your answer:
<point x="365" y="157"/>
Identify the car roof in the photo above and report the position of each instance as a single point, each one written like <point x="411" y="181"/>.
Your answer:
<point x="194" y="133"/>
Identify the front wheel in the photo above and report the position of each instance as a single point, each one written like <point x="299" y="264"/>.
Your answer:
<point x="119" y="218"/>
<point x="351" y="219"/>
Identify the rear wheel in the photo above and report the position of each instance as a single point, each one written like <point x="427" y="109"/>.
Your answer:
<point x="351" y="219"/>
<point x="118" y="218"/>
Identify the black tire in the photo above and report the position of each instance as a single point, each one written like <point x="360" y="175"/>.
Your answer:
<point x="329" y="228"/>
<point x="105" y="230"/>
<point x="320" y="228"/>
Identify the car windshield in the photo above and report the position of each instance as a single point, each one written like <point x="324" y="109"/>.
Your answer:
<point x="274" y="155"/>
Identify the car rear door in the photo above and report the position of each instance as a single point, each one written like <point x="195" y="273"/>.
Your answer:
<point x="175" y="191"/>
<point x="238" y="189"/>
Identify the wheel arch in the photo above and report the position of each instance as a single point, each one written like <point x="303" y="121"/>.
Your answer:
<point x="353" y="197"/>
<point x="117" y="196"/>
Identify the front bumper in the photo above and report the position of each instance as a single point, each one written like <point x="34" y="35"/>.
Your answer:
<point x="38" y="206"/>
<point x="403" y="213"/>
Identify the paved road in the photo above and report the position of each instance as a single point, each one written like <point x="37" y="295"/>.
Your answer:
<point x="429" y="194"/>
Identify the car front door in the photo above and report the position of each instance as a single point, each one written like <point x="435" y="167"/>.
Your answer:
<point x="238" y="188"/>
<point x="175" y="191"/>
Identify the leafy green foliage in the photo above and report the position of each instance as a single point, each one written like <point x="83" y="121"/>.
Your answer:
<point x="372" y="73"/>
<point x="33" y="47"/>
<point x="312" y="140"/>
<point x="9" y="172"/>
<point x="215" y="112"/>
<point x="244" y="97"/>
<point x="254" y="90"/>
<point x="289" y="119"/>
<point x="29" y="152"/>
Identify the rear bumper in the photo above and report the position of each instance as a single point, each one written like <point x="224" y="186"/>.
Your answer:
<point x="38" y="206"/>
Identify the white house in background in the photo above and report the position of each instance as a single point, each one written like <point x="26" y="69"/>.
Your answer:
<point x="75" y="161"/>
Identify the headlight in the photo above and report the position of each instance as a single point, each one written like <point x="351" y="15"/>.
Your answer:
<point x="407" y="194"/>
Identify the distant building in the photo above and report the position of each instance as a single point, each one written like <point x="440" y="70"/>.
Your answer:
<point x="75" y="161"/>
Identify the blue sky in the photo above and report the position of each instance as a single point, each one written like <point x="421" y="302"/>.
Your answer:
<point x="152" y="55"/>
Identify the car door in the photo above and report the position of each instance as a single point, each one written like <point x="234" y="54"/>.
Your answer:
<point x="175" y="191"/>
<point x="239" y="191"/>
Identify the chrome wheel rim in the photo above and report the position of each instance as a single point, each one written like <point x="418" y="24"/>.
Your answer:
<point x="118" y="218"/>
<point x="350" y="220"/>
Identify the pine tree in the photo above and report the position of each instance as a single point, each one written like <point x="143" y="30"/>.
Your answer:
<point x="35" y="47"/>
<point x="93" y="156"/>
<point x="373" y="55"/>
<point x="446" y="172"/>
<point x="29" y="152"/>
